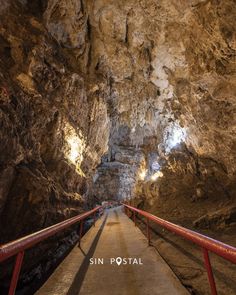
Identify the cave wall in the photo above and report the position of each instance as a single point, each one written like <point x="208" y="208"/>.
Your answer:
<point x="54" y="125"/>
<point x="153" y="81"/>
<point x="54" y="117"/>
<point x="171" y="67"/>
<point x="147" y="86"/>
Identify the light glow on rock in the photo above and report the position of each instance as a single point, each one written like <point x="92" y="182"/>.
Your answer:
<point x="74" y="149"/>
<point x="174" y="136"/>
<point x="156" y="175"/>
<point x="75" y="146"/>
<point x="142" y="174"/>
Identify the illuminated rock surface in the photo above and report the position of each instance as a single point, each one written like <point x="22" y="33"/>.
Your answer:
<point x="147" y="86"/>
<point x="171" y="67"/>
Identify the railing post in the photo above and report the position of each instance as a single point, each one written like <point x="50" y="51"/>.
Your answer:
<point x="148" y="231"/>
<point x="80" y="230"/>
<point x="209" y="271"/>
<point x="94" y="218"/>
<point x="101" y="213"/>
<point x="16" y="272"/>
<point x="134" y="218"/>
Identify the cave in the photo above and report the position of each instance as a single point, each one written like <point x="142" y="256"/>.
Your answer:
<point x="123" y="102"/>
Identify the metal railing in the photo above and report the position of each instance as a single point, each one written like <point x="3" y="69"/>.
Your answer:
<point x="207" y="244"/>
<point x="19" y="246"/>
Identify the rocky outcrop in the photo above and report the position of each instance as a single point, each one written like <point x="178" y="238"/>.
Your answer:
<point x="54" y="119"/>
<point x="171" y="72"/>
<point x="54" y="122"/>
<point x="116" y="100"/>
<point x="146" y="76"/>
<point x="218" y="219"/>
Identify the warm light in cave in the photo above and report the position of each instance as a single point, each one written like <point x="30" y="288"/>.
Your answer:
<point x="156" y="175"/>
<point x="74" y="149"/>
<point x="75" y="146"/>
<point x="143" y="174"/>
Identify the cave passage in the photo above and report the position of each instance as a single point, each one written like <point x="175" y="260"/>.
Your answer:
<point x="111" y="101"/>
<point x="128" y="267"/>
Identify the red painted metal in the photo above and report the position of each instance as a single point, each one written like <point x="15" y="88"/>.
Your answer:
<point x="16" y="272"/>
<point x="29" y="241"/>
<point x="19" y="246"/>
<point x="209" y="272"/>
<point x="226" y="251"/>
<point x="81" y="230"/>
<point x="94" y="218"/>
<point x="134" y="218"/>
<point x="148" y="231"/>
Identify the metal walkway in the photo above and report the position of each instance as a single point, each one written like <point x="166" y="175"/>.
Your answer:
<point x="114" y="235"/>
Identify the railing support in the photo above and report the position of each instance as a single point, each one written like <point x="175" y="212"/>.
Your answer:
<point x="80" y="230"/>
<point x="16" y="273"/>
<point x="134" y="218"/>
<point x="148" y="231"/>
<point x="94" y="218"/>
<point x="206" y="243"/>
<point x="209" y="271"/>
<point x="18" y="247"/>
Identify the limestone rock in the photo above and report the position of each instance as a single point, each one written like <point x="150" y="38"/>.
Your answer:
<point x="116" y="99"/>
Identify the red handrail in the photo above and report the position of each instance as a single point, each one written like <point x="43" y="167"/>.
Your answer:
<point x="226" y="251"/>
<point x="19" y="246"/>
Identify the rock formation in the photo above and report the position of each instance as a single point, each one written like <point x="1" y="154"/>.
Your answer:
<point x="117" y="100"/>
<point x="171" y="66"/>
<point x="54" y="122"/>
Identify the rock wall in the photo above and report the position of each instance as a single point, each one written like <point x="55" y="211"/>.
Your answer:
<point x="171" y="67"/>
<point x="146" y="86"/>
<point x="54" y="118"/>
<point x="155" y="79"/>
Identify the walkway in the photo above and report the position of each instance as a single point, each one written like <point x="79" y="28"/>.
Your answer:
<point x="114" y="235"/>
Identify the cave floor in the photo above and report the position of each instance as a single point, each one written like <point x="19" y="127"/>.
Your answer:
<point x="114" y="235"/>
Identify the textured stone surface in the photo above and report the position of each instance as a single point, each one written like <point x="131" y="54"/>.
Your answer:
<point x="171" y="67"/>
<point x="147" y="86"/>
<point x="54" y="122"/>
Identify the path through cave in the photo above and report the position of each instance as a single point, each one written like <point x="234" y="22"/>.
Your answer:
<point x="118" y="101"/>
